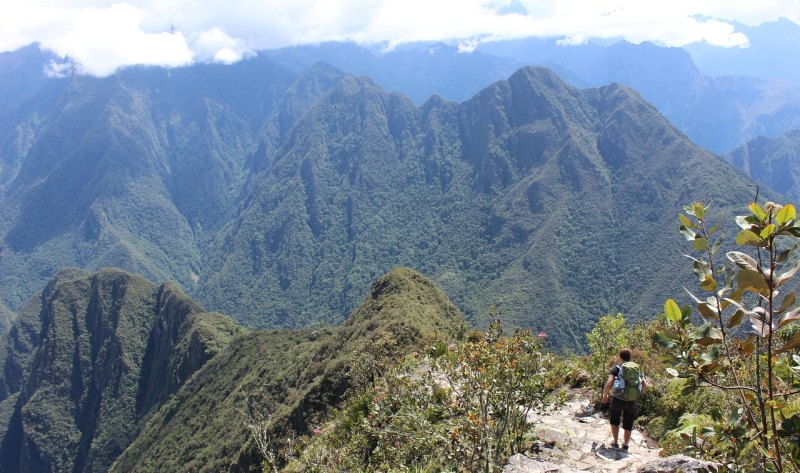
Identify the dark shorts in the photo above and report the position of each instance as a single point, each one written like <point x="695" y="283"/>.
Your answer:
<point x="625" y="409"/>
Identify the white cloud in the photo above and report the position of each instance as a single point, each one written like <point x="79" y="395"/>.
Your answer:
<point x="98" y="36"/>
<point x="218" y="46"/>
<point x="98" y="40"/>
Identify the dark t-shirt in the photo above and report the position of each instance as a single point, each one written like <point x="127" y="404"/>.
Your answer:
<point x="614" y="370"/>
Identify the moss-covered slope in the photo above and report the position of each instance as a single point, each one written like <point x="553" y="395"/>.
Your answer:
<point x="289" y="377"/>
<point x="89" y="359"/>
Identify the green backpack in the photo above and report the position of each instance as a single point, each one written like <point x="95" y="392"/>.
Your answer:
<point x="627" y="383"/>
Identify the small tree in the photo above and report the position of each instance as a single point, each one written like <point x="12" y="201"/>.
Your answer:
<point x="495" y="382"/>
<point x="745" y="345"/>
<point x="609" y="334"/>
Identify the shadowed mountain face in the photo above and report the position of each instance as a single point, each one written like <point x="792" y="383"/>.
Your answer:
<point x="773" y="162"/>
<point x="89" y="361"/>
<point x="277" y="198"/>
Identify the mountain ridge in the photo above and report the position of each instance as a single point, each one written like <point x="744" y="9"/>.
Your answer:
<point x="87" y="380"/>
<point x="295" y="376"/>
<point x="280" y="220"/>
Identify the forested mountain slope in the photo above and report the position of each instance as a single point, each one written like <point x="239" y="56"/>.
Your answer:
<point x="289" y="379"/>
<point x="90" y="360"/>
<point x="136" y="170"/>
<point x="772" y="161"/>
<point x="548" y="200"/>
<point x="277" y="198"/>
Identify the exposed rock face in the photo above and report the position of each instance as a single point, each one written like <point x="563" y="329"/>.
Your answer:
<point x="680" y="463"/>
<point x="83" y="371"/>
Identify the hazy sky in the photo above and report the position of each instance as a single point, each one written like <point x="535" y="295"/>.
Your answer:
<point x="100" y="36"/>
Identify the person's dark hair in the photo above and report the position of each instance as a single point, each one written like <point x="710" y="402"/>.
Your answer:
<point x="625" y="354"/>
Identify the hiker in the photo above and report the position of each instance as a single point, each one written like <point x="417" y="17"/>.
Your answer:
<point x="626" y="383"/>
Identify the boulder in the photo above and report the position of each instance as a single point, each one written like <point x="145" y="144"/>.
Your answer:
<point x="680" y="463"/>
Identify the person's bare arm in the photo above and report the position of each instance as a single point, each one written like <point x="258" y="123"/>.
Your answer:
<point x="607" y="387"/>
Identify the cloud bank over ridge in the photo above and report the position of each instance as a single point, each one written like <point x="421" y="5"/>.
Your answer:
<point x="98" y="36"/>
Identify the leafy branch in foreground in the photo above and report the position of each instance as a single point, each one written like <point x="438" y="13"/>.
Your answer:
<point x="747" y="345"/>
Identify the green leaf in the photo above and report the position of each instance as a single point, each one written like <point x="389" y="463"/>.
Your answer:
<point x="711" y="355"/>
<point x="729" y="275"/>
<point x="784" y="255"/>
<point x="768" y="231"/>
<point x="787" y="275"/>
<point x="788" y="301"/>
<point x="688" y="234"/>
<point x="686" y="314"/>
<point x="686" y="221"/>
<point x="700" y="244"/>
<point x="789" y="317"/>
<point x="699" y="210"/>
<point x="701" y="270"/>
<point x="795" y="231"/>
<point x="663" y="340"/>
<point x="672" y="311"/>
<point x="709" y="284"/>
<point x="752" y="281"/>
<point x="793" y="343"/>
<point x="742" y="260"/>
<point x="758" y="321"/>
<point x="786" y="214"/>
<point x="713" y="229"/>
<point x="758" y="211"/>
<point x="746" y="237"/>
<point x="707" y="311"/>
<point x="744" y="222"/>
<point x="736" y="320"/>
<point x="700" y="331"/>
<point x="706" y="335"/>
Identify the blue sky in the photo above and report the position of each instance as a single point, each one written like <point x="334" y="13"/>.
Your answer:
<point x="101" y="36"/>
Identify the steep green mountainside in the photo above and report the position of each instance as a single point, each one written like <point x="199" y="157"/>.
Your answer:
<point x="6" y="318"/>
<point x="773" y="162"/>
<point x="27" y="95"/>
<point x="278" y="199"/>
<point x="90" y="360"/>
<point x="547" y="200"/>
<point x="291" y="378"/>
<point x="136" y="171"/>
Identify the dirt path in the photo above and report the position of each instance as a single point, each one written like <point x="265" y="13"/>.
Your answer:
<point x="574" y="438"/>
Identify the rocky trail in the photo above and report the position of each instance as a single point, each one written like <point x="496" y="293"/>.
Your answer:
<point x="576" y="438"/>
